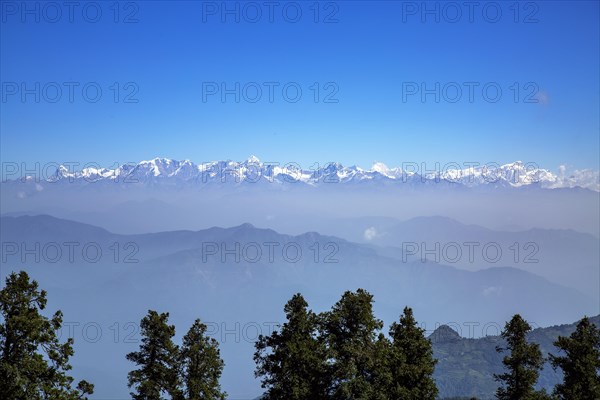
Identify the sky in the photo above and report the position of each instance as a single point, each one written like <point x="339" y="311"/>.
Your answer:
<point x="349" y="81"/>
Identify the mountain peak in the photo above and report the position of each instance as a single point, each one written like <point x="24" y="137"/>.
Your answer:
<point x="252" y="170"/>
<point x="244" y="226"/>
<point x="380" y="167"/>
<point x="444" y="334"/>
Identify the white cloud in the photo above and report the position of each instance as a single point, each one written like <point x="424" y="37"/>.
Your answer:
<point x="492" y="290"/>
<point x="370" y="233"/>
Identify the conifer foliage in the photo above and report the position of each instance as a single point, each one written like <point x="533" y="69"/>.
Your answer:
<point x="33" y="362"/>
<point x="189" y="372"/>
<point x="342" y="354"/>
<point x="522" y="364"/>
<point x="157" y="359"/>
<point x="412" y="362"/>
<point x="292" y="361"/>
<point x="580" y="363"/>
<point x="201" y="365"/>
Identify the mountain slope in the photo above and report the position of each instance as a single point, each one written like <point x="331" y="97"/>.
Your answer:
<point x="208" y="274"/>
<point x="564" y="256"/>
<point x="466" y="366"/>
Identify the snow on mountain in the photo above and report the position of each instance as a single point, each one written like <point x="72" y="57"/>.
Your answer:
<point x="515" y="174"/>
<point x="252" y="170"/>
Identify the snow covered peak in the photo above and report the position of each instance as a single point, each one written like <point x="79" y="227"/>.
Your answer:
<point x="252" y="160"/>
<point x="380" y="167"/>
<point x="252" y="170"/>
<point x="157" y="167"/>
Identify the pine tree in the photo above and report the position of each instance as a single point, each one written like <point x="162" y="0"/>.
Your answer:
<point x="381" y="370"/>
<point x="292" y="361"/>
<point x="580" y="364"/>
<point x="157" y="359"/>
<point x="523" y="363"/>
<point x="412" y="361"/>
<point x="201" y="365"/>
<point x="33" y="363"/>
<point x="352" y="333"/>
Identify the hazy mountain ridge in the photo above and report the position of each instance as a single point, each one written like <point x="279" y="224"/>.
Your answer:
<point x="562" y="255"/>
<point x="174" y="273"/>
<point x="241" y="254"/>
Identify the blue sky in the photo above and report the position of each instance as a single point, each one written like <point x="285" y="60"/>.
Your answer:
<point x="370" y="54"/>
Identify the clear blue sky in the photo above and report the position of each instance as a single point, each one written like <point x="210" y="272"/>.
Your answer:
<point x="369" y="54"/>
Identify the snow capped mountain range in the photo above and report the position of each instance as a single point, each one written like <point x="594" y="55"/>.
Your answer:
<point x="252" y="170"/>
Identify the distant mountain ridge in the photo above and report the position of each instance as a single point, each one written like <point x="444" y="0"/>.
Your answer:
<point x="197" y="274"/>
<point x="308" y="259"/>
<point x="466" y="367"/>
<point x="252" y="170"/>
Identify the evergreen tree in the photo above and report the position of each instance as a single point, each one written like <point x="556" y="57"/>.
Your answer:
<point x="352" y="333"/>
<point x="580" y="364"/>
<point x="33" y="363"/>
<point x="157" y="359"/>
<point x="523" y="363"/>
<point x="381" y="370"/>
<point x="201" y="365"/>
<point x="412" y="361"/>
<point x="292" y="362"/>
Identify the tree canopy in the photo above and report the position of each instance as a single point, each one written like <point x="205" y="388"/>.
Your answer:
<point x="33" y="362"/>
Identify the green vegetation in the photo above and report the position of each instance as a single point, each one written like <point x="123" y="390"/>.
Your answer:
<point x="201" y="365"/>
<point x="342" y="354"/>
<point x="467" y="366"/>
<point x="338" y="354"/>
<point x="522" y="364"/>
<point x="157" y="360"/>
<point x="580" y="363"/>
<point x="351" y="332"/>
<point x="412" y="361"/>
<point x="189" y="373"/>
<point x="33" y="362"/>
<point x="296" y="364"/>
